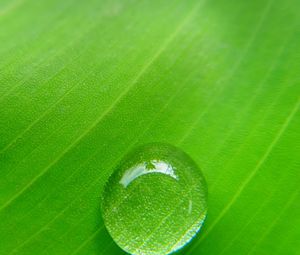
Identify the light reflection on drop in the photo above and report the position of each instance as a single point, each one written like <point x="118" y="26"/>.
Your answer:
<point x="154" y="166"/>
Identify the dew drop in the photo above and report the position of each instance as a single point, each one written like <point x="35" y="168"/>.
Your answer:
<point x="155" y="201"/>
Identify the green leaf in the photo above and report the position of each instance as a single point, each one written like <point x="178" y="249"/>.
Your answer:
<point x="84" y="82"/>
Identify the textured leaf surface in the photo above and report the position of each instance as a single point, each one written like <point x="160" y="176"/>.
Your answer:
<point x="83" y="82"/>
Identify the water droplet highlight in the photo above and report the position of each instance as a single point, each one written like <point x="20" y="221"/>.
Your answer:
<point x="155" y="201"/>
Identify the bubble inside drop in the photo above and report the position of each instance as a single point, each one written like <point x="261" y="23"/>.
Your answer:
<point x="155" y="201"/>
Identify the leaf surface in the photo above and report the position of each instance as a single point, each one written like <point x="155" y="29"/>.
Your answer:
<point x="84" y="82"/>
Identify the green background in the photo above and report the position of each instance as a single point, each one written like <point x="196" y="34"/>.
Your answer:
<point x="83" y="82"/>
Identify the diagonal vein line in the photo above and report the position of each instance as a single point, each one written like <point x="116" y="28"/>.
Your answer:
<point x="87" y="241"/>
<point x="275" y="221"/>
<point x="91" y="237"/>
<point x="290" y="235"/>
<point x="254" y="215"/>
<point x="252" y="174"/>
<point x="231" y="72"/>
<point x="252" y="100"/>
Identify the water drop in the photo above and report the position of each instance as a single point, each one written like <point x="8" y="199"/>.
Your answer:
<point x="156" y="200"/>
